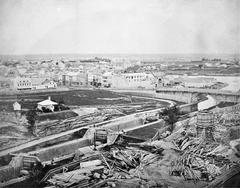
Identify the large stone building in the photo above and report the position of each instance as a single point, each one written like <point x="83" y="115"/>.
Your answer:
<point x="132" y="81"/>
<point x="75" y="79"/>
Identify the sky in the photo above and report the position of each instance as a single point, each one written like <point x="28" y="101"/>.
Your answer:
<point x="119" y="26"/>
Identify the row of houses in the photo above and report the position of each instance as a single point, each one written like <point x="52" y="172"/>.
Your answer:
<point x="45" y="74"/>
<point x="21" y="83"/>
<point x="42" y="82"/>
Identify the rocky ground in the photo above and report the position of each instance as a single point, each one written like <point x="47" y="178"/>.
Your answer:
<point x="13" y="129"/>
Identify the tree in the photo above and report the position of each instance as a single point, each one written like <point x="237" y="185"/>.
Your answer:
<point x="171" y="116"/>
<point x="31" y="118"/>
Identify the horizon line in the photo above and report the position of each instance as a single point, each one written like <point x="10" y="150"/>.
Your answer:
<point x="120" y="54"/>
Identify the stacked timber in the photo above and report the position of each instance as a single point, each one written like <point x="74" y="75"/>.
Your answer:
<point x="179" y="160"/>
<point x="66" y="180"/>
<point x="80" y="177"/>
<point x="56" y="126"/>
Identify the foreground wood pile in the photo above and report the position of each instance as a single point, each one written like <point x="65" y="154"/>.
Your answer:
<point x="197" y="162"/>
<point x="178" y="160"/>
<point x="80" y="176"/>
<point x="186" y="157"/>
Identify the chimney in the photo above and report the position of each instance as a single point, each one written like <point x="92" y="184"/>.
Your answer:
<point x="49" y="97"/>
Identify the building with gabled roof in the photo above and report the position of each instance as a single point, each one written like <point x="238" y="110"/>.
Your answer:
<point x="16" y="106"/>
<point x="21" y="83"/>
<point x="48" y="104"/>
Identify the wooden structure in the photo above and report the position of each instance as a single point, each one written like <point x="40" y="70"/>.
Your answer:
<point x="205" y="122"/>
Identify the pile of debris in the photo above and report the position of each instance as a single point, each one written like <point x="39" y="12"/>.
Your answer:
<point x="189" y="156"/>
<point x="178" y="160"/>
<point x="115" y="165"/>
<point x="227" y="121"/>
<point x="56" y="126"/>
<point x="197" y="162"/>
<point x="84" y="176"/>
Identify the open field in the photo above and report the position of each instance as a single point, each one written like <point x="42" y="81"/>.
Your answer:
<point x="69" y="98"/>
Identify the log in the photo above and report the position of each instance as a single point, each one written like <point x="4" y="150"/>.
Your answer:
<point x="224" y="177"/>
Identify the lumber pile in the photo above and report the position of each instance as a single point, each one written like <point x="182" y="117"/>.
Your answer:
<point x="80" y="177"/>
<point x="56" y="126"/>
<point x="157" y="163"/>
<point x="111" y="166"/>
<point x="177" y="159"/>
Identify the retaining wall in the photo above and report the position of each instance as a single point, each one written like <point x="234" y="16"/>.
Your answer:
<point x="183" y="97"/>
<point x="125" y="124"/>
<point x="188" y="108"/>
<point x="146" y="131"/>
<point x="47" y="154"/>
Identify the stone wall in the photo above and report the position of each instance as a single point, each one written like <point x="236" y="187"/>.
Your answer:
<point x="125" y="124"/>
<point x="47" y="154"/>
<point x="177" y="96"/>
<point x="188" y="108"/>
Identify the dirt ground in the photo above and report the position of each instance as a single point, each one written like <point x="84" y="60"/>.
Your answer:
<point x="13" y="129"/>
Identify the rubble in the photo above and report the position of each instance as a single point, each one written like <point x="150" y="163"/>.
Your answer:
<point x="180" y="162"/>
<point x="182" y="158"/>
<point x="49" y="127"/>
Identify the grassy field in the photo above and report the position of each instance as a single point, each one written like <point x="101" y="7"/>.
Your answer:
<point x="71" y="98"/>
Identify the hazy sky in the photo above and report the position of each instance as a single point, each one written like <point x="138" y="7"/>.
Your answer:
<point x="119" y="26"/>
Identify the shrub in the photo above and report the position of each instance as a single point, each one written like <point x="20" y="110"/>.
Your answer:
<point x="31" y="118"/>
<point x="171" y="116"/>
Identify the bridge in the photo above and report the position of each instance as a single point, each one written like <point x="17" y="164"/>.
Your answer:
<point x="190" y="95"/>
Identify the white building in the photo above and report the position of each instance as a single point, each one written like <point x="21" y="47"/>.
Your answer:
<point x="49" y="84"/>
<point x="21" y="83"/>
<point x="107" y="79"/>
<point x="42" y="83"/>
<point x="133" y="81"/>
<point x="16" y="106"/>
<point x="75" y="78"/>
<point x="48" y="104"/>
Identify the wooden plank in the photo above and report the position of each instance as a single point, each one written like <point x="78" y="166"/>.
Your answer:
<point x="13" y="181"/>
<point x="224" y="177"/>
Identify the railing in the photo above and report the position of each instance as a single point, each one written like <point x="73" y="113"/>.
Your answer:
<point x="196" y="90"/>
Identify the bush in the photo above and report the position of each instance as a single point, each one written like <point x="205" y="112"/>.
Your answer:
<point x="63" y="107"/>
<point x="171" y="116"/>
<point x="31" y="118"/>
<point x="46" y="110"/>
